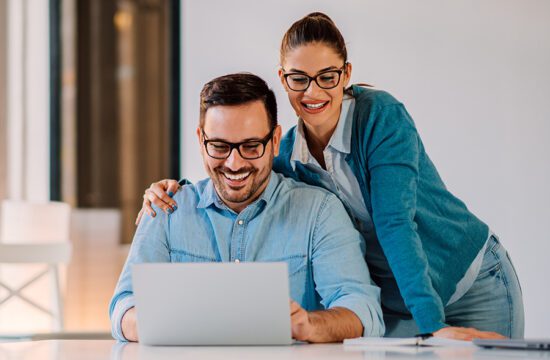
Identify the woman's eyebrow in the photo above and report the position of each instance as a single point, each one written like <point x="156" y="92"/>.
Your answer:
<point x="320" y="71"/>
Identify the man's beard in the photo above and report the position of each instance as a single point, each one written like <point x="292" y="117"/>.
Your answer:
<point x="255" y="181"/>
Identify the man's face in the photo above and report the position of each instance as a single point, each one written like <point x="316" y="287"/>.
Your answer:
<point x="239" y="181"/>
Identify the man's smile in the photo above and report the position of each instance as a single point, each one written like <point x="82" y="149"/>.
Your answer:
<point x="236" y="180"/>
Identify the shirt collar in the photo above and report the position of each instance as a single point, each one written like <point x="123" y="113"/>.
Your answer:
<point x="209" y="195"/>
<point x="300" y="152"/>
<point x="340" y="140"/>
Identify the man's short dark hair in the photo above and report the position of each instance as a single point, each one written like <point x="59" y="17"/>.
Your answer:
<point x="238" y="89"/>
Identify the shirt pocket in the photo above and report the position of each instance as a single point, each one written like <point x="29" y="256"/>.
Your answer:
<point x="296" y="263"/>
<point x="179" y="256"/>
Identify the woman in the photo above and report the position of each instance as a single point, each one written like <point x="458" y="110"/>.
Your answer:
<point x="441" y="269"/>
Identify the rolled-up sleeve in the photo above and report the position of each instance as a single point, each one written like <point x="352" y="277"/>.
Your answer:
<point x="150" y="244"/>
<point x="122" y="303"/>
<point x="340" y="272"/>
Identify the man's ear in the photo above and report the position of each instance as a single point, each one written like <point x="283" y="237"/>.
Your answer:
<point x="277" y="134"/>
<point x="199" y="136"/>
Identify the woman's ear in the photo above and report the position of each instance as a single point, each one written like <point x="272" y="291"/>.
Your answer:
<point x="281" y="74"/>
<point x="347" y="74"/>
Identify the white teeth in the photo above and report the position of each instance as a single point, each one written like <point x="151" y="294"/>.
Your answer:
<point x="236" y="177"/>
<point x="315" y="106"/>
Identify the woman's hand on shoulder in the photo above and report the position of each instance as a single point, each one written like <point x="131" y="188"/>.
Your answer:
<point x="159" y="193"/>
<point x="467" y="334"/>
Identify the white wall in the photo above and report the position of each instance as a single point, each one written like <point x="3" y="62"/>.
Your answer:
<point x="475" y="76"/>
<point x="3" y="68"/>
<point x="28" y="100"/>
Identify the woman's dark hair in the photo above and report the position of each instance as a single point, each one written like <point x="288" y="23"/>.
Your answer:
<point x="237" y="89"/>
<point x="314" y="28"/>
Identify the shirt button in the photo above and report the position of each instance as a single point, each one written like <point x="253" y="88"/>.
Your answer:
<point x="237" y="261"/>
<point x="240" y="222"/>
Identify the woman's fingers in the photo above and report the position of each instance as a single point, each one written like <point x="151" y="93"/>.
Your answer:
<point x="468" y="334"/>
<point x="145" y="209"/>
<point x="157" y="194"/>
<point x="146" y="205"/>
<point x="172" y="187"/>
<point x="488" y="335"/>
<point x="139" y="215"/>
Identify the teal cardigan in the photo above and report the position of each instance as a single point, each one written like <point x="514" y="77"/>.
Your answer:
<point x="428" y="236"/>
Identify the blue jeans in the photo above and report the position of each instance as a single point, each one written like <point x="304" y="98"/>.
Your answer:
<point x="493" y="303"/>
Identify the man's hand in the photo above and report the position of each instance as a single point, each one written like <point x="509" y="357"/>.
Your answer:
<point x="160" y="194"/>
<point x="299" y="321"/>
<point x="468" y="334"/>
<point x="324" y="326"/>
<point x="129" y="325"/>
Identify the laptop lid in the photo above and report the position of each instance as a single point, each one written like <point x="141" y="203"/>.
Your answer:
<point x="534" y="344"/>
<point x="212" y="303"/>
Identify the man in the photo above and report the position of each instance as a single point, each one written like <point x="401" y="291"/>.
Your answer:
<point x="246" y="212"/>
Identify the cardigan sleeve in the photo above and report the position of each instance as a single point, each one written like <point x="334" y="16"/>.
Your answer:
<point x="392" y="150"/>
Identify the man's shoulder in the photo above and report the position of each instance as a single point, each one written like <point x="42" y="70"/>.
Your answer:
<point x="301" y="192"/>
<point x="190" y="194"/>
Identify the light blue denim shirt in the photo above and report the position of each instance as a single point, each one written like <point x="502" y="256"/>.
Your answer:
<point x="304" y="226"/>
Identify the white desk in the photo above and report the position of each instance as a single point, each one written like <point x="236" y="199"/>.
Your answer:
<point x="109" y="349"/>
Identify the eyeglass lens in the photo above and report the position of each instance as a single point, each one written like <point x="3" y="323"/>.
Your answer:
<point x="249" y="150"/>
<point x="326" y="80"/>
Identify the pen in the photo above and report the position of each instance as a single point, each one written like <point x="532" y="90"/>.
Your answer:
<point x="424" y="336"/>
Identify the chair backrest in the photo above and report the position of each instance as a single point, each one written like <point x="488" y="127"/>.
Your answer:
<point x="34" y="223"/>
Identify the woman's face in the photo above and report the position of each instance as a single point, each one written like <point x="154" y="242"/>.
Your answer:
<point x="319" y="108"/>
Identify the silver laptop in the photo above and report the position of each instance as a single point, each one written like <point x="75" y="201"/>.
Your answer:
<point x="529" y="344"/>
<point x="212" y="303"/>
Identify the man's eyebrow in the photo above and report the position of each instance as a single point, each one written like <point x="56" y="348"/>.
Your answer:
<point x="251" y="139"/>
<point x="238" y="142"/>
<point x="320" y="71"/>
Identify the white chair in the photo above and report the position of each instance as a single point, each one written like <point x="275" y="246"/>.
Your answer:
<point x="36" y="233"/>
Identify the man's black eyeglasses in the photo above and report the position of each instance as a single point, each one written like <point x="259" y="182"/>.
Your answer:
<point x="249" y="150"/>
<point x="325" y="80"/>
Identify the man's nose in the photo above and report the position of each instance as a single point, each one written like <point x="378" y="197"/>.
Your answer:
<point x="235" y="160"/>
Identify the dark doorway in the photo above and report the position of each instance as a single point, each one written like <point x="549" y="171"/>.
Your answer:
<point x="126" y="102"/>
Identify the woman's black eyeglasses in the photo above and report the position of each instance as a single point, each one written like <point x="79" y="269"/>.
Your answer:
<point x="249" y="150"/>
<point x="325" y="80"/>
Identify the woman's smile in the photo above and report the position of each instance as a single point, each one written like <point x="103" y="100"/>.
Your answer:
<point x="314" y="107"/>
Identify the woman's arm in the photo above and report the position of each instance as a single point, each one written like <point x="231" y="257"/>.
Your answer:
<point x="393" y="163"/>
<point x="393" y="159"/>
